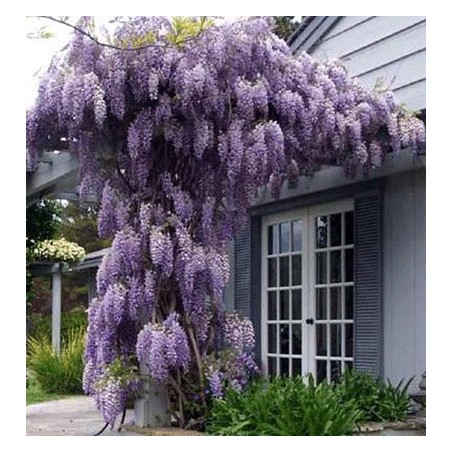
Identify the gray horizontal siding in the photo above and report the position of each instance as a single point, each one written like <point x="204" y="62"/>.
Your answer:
<point x="413" y="95"/>
<point x="384" y="52"/>
<point x="400" y="73"/>
<point x="346" y="23"/>
<point x="366" y="34"/>
<point x="388" y="48"/>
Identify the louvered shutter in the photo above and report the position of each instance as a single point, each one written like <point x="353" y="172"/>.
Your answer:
<point x="242" y="271"/>
<point x="368" y="343"/>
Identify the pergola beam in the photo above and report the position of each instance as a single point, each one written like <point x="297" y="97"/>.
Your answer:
<point x="57" y="172"/>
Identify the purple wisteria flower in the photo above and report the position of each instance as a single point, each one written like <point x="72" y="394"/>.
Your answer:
<point x="178" y="138"/>
<point x="163" y="348"/>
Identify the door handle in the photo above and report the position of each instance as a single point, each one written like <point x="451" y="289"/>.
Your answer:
<point x="310" y="321"/>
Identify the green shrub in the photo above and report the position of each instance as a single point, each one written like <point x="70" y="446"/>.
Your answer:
<point x="283" y="407"/>
<point x="41" y="325"/>
<point x="57" y="374"/>
<point x="377" y="400"/>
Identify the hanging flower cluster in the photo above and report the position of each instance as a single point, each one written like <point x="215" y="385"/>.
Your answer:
<point x="234" y="365"/>
<point x="163" y="347"/>
<point x="176" y="139"/>
<point x="58" y="250"/>
<point x="113" y="388"/>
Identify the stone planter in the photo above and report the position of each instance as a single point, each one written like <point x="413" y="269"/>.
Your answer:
<point x="152" y="407"/>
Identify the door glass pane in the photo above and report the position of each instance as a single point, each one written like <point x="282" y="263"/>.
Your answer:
<point x="349" y="340"/>
<point x="273" y="239"/>
<point x="296" y="339"/>
<point x="336" y="231"/>
<point x="336" y="340"/>
<point x="296" y="366"/>
<point x="335" y="266"/>
<point x="284" y="339"/>
<point x="349" y="303"/>
<point x="335" y="370"/>
<point x="321" y="330"/>
<point x="284" y="305"/>
<point x="272" y="274"/>
<point x="296" y="236"/>
<point x="335" y="303"/>
<point x="296" y="270"/>
<point x="272" y="338"/>
<point x="272" y="305"/>
<point x="321" y="232"/>
<point x="349" y="269"/>
<point x="321" y="370"/>
<point x="349" y="232"/>
<point x="320" y="304"/>
<point x="320" y="268"/>
<point x="284" y="367"/>
<point x="284" y="271"/>
<point x="272" y="366"/>
<point x="284" y="237"/>
<point x="296" y="304"/>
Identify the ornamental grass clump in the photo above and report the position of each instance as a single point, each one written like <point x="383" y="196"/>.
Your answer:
<point x="176" y="135"/>
<point x="58" y="374"/>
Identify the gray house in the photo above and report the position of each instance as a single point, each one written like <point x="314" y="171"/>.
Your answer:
<point x="333" y="273"/>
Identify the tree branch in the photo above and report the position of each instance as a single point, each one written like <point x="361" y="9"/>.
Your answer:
<point x="112" y="46"/>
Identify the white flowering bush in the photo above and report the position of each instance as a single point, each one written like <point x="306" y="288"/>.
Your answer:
<point x="59" y="250"/>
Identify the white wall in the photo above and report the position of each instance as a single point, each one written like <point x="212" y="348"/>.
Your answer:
<point x="404" y="276"/>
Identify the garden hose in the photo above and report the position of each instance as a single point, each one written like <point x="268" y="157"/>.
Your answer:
<point x="106" y="425"/>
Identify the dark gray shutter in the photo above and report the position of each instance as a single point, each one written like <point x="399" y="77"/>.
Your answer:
<point x="242" y="271"/>
<point x="368" y="344"/>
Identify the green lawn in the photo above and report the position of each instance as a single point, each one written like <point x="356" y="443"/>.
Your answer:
<point x="36" y="395"/>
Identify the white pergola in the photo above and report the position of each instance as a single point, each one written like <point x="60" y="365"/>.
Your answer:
<point x="56" y="271"/>
<point x="58" y="174"/>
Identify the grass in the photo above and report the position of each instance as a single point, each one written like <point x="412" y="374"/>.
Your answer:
<point x="35" y="394"/>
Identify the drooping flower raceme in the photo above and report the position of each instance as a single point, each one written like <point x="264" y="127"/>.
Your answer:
<point x="176" y="138"/>
<point x="163" y="347"/>
<point x="234" y="366"/>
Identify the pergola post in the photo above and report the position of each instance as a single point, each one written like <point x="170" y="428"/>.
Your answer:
<point x="56" y="308"/>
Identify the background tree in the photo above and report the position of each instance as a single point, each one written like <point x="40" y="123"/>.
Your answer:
<point x="79" y="224"/>
<point x="285" y="26"/>
<point x="43" y="219"/>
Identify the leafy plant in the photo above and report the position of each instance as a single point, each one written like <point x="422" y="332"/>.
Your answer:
<point x="377" y="400"/>
<point x="57" y="374"/>
<point x="42" y="325"/>
<point x="394" y="401"/>
<point x="284" y="407"/>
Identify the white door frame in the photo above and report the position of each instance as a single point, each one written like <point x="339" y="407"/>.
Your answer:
<point x="307" y="215"/>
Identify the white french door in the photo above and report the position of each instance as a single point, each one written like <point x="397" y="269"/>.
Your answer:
<point x="307" y="291"/>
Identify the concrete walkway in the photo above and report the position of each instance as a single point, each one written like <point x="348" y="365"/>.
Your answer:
<point x="75" y="416"/>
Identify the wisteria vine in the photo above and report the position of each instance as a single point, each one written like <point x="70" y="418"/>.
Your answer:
<point x="177" y="140"/>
